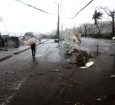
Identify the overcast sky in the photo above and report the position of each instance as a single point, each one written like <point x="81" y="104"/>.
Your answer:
<point x="18" y="17"/>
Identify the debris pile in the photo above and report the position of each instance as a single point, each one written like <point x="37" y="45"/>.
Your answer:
<point x="81" y="57"/>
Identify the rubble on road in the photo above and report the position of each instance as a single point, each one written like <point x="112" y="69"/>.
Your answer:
<point x="112" y="76"/>
<point x="90" y="63"/>
<point x="13" y="72"/>
<point x="99" y="99"/>
<point x="113" y="38"/>
<point x="78" y="56"/>
<point x="57" y="70"/>
<point x="81" y="58"/>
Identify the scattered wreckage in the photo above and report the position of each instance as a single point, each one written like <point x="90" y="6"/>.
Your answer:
<point x="80" y="57"/>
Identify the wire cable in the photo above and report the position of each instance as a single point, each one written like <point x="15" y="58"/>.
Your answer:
<point x="33" y="7"/>
<point x="64" y="9"/>
<point x="82" y="9"/>
<point x="78" y="6"/>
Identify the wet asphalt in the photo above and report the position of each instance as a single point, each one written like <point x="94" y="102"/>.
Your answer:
<point x="48" y="79"/>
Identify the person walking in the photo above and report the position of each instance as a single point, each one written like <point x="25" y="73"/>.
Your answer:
<point x="33" y="49"/>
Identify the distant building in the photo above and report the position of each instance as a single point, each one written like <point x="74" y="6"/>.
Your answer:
<point x="9" y="41"/>
<point x="28" y="35"/>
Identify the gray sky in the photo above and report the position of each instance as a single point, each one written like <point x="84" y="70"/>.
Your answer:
<point x="20" y="18"/>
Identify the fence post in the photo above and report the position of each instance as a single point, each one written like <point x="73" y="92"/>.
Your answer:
<point x="97" y="49"/>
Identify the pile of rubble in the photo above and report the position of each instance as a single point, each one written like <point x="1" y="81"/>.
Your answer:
<point x="80" y="58"/>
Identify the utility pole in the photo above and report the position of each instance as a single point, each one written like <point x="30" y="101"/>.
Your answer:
<point x="113" y="20"/>
<point x="58" y="28"/>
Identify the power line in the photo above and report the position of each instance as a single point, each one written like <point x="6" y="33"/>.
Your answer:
<point x="64" y="9"/>
<point x="78" y="6"/>
<point x="82" y="9"/>
<point x="33" y="7"/>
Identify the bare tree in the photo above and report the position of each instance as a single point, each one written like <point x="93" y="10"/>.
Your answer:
<point x="96" y="17"/>
<point x="110" y="13"/>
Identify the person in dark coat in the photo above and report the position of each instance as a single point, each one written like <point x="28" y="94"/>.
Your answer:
<point x="33" y="49"/>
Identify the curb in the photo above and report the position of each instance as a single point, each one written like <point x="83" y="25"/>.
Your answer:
<point x="25" y="49"/>
<point x="18" y="52"/>
<point x="6" y="57"/>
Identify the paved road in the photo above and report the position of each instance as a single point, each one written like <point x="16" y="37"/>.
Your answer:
<point x="16" y="69"/>
<point x="47" y="79"/>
